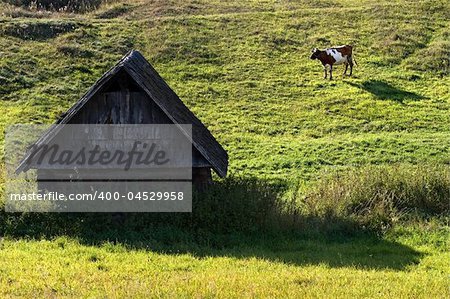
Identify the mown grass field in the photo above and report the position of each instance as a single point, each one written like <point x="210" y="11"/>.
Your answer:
<point x="243" y="68"/>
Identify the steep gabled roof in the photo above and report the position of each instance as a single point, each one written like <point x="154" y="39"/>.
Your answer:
<point x="157" y="89"/>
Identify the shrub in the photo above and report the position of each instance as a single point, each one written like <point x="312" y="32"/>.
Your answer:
<point x="58" y="5"/>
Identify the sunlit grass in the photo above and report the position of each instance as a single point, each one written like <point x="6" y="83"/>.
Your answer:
<point x="307" y="268"/>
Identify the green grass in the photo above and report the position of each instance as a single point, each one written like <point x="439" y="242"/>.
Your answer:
<point x="259" y="267"/>
<point x="243" y="68"/>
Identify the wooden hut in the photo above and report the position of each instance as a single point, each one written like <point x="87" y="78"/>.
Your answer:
<point x="132" y="92"/>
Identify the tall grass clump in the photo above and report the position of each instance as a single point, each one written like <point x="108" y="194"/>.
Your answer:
<point x="368" y="199"/>
<point x="375" y="197"/>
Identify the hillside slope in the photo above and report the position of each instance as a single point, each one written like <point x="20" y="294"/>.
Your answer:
<point x="244" y="69"/>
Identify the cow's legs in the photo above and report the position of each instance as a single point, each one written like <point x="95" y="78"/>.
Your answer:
<point x="345" y="72"/>
<point x="331" y="72"/>
<point x="350" y="62"/>
<point x="325" y="72"/>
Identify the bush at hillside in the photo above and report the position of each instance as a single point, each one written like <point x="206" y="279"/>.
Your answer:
<point x="58" y="5"/>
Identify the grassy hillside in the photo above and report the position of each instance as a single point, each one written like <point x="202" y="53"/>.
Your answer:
<point x="243" y="68"/>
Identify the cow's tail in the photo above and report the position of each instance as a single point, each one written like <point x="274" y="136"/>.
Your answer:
<point x="353" y="56"/>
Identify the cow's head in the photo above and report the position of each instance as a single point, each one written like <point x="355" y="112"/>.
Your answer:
<point x="315" y="53"/>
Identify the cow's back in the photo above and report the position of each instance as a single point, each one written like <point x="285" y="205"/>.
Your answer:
<point x="340" y="54"/>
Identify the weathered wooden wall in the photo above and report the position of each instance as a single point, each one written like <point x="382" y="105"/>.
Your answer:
<point x="123" y="102"/>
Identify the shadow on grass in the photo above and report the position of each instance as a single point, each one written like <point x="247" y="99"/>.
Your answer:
<point x="235" y="218"/>
<point x="385" y="91"/>
<point x="362" y="252"/>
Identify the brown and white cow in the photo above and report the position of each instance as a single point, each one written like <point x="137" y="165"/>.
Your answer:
<point x="334" y="56"/>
